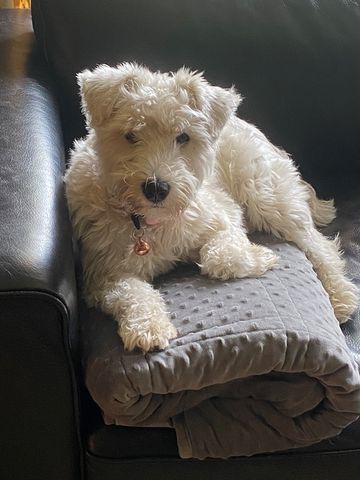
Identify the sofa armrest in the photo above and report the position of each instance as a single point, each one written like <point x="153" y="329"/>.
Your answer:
<point x="35" y="233"/>
<point x="38" y="327"/>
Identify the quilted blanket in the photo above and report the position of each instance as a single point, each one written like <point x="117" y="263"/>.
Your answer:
<point x="260" y="365"/>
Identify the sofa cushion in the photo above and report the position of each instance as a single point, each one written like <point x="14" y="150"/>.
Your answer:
<point x="115" y="442"/>
<point x="295" y="61"/>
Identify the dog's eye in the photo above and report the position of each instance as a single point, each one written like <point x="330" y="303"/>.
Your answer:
<point x="182" y="138"/>
<point x="131" y="137"/>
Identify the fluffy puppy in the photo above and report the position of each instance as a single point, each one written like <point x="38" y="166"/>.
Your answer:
<point x="167" y="152"/>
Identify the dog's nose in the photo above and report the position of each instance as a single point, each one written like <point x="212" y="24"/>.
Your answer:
<point x="155" y="190"/>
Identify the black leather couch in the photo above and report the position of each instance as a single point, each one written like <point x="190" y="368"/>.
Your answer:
<point x="298" y="64"/>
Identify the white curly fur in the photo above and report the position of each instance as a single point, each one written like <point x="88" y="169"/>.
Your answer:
<point x="227" y="179"/>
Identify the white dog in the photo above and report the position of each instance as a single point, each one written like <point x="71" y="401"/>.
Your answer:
<point x="166" y="153"/>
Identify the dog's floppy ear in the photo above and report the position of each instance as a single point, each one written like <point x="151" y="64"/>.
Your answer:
<point x="215" y="102"/>
<point x="101" y="89"/>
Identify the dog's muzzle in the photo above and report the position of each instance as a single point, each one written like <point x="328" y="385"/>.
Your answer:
<point x="155" y="190"/>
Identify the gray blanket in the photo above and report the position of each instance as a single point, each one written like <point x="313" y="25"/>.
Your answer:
<point x="259" y="365"/>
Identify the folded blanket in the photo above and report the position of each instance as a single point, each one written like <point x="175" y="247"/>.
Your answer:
<point x="259" y="365"/>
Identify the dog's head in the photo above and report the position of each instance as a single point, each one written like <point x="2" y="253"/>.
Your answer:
<point x="155" y="133"/>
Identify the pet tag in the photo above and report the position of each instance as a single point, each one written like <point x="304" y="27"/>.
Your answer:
<point x="141" y="247"/>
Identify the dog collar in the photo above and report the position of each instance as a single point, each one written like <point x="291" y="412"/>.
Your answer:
<point x="136" y="220"/>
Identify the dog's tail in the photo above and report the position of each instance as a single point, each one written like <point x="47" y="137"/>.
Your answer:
<point x="323" y="211"/>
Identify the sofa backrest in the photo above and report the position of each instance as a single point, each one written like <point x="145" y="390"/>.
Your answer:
<point x="297" y="62"/>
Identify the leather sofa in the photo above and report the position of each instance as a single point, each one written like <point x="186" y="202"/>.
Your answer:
<point x="297" y="64"/>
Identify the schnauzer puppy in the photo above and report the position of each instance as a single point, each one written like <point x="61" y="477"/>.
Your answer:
<point x="165" y="153"/>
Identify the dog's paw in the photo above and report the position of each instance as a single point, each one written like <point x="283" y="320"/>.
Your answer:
<point x="231" y="260"/>
<point x="263" y="259"/>
<point x="147" y="333"/>
<point x="344" y="298"/>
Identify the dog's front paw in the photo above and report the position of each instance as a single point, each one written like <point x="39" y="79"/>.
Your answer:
<point x="147" y="332"/>
<point x="232" y="260"/>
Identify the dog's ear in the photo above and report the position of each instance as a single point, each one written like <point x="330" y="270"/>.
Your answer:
<point x="101" y="90"/>
<point x="215" y="102"/>
<point x="223" y="103"/>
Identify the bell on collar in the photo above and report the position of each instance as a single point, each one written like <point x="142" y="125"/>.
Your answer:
<point x="141" y="247"/>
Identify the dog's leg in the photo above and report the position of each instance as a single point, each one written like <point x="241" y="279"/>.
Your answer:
<point x="230" y="254"/>
<point x="289" y="217"/>
<point x="325" y="256"/>
<point x="140" y="312"/>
